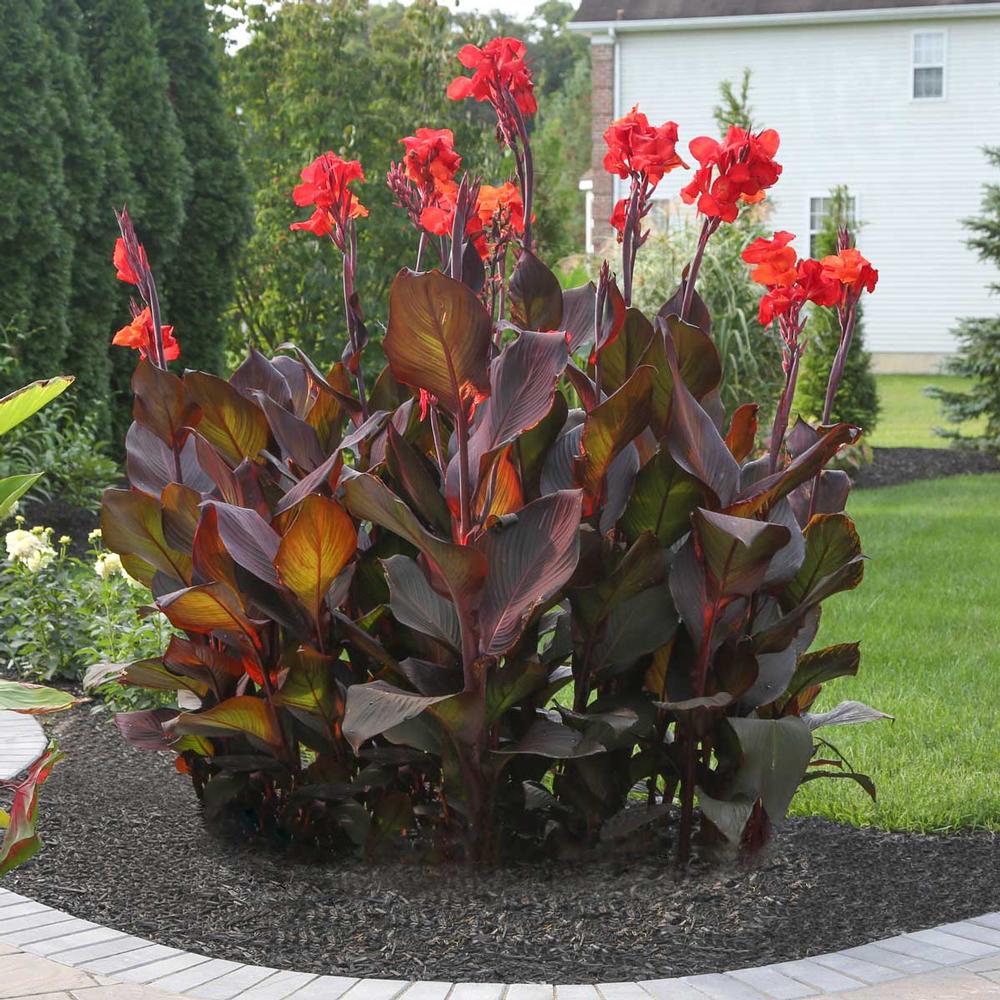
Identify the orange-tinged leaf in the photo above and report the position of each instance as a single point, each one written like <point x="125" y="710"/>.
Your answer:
<point x="243" y="714"/>
<point x="314" y="550"/>
<point x="229" y="421"/>
<point x="132" y="525"/>
<point x="438" y="337"/>
<point x="207" y="608"/>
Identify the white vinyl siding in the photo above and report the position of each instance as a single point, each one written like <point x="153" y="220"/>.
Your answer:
<point x="819" y="209"/>
<point x="840" y="95"/>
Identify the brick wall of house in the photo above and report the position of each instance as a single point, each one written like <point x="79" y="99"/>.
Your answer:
<point x="602" y="101"/>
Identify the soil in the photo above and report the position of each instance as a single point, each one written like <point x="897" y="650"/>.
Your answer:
<point x="893" y="466"/>
<point x="63" y="519"/>
<point x="125" y="846"/>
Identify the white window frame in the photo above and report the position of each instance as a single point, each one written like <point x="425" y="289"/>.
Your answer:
<point x="808" y="229"/>
<point x="943" y="32"/>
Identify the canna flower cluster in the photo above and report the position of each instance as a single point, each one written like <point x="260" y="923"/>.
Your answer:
<point x="500" y="76"/>
<point x="326" y="185"/>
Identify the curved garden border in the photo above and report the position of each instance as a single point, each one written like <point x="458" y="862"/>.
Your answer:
<point x="956" y="959"/>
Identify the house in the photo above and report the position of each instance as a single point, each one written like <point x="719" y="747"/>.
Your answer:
<point x="893" y="98"/>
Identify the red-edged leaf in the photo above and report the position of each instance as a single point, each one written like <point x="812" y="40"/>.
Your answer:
<point x="207" y="608"/>
<point x="736" y="551"/>
<point x="833" y="560"/>
<point x="229" y="421"/>
<point x="144" y="729"/>
<point x="621" y="357"/>
<point x="831" y="495"/>
<point x="181" y="510"/>
<point x="662" y="500"/>
<point x="315" y="548"/>
<point x="578" y="316"/>
<point x="21" y="840"/>
<point x="612" y="320"/>
<point x="438" y="337"/>
<point x="535" y="296"/>
<point x="132" y="526"/>
<point x="323" y="479"/>
<point x="530" y="558"/>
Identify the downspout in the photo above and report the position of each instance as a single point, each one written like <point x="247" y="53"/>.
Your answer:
<point x="616" y="100"/>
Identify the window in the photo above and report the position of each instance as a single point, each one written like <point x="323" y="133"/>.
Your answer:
<point x="819" y="211"/>
<point x="928" y="64"/>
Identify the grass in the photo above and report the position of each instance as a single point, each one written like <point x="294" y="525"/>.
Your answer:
<point x="908" y="416"/>
<point x="928" y="620"/>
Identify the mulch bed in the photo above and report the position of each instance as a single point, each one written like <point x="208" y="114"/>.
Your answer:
<point x="126" y="846"/>
<point x="893" y="466"/>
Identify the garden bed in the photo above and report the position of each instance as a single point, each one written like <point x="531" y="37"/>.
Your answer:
<point x="126" y="847"/>
<point x="892" y="466"/>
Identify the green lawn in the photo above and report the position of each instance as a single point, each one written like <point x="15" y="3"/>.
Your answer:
<point x="908" y="416"/>
<point x="928" y="617"/>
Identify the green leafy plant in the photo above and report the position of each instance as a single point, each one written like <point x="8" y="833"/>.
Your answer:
<point x="495" y="593"/>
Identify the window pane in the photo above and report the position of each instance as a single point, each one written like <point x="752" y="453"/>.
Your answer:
<point x="928" y="81"/>
<point x="928" y="48"/>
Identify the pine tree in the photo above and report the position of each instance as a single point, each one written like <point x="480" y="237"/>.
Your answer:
<point x="95" y="171"/>
<point x="199" y="278"/>
<point x="857" y="397"/>
<point x="35" y="248"/>
<point x="979" y="355"/>
<point x="133" y="91"/>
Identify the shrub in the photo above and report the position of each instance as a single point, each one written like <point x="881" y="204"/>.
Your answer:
<point x="978" y="357"/>
<point x="522" y="572"/>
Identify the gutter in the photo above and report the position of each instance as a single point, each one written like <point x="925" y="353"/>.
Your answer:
<point x="936" y="13"/>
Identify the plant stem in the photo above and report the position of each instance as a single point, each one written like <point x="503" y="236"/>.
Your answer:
<point x="708" y="227"/>
<point x="438" y="447"/>
<point x="350" y="256"/>
<point x="780" y="425"/>
<point x="630" y="247"/>
<point x="464" y="498"/>
<point x="840" y="360"/>
<point x="161" y="362"/>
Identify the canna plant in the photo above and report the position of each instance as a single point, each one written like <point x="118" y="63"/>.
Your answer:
<point x="528" y="582"/>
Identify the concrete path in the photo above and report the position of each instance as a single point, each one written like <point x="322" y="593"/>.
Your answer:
<point x="22" y="742"/>
<point x="46" y="954"/>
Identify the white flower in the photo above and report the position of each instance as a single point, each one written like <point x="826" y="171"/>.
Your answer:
<point x="94" y="536"/>
<point x="109" y="564"/>
<point x="29" y="548"/>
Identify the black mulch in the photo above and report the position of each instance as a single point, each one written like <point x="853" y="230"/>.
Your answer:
<point x="63" y="519"/>
<point x="125" y="846"/>
<point x="892" y="466"/>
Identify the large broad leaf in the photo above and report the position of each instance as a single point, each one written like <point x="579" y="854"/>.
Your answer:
<point x="578" y="316"/>
<point x="611" y="320"/>
<point x="847" y="713"/>
<point x="410" y="470"/>
<point x="729" y="816"/>
<point x="736" y="551"/>
<point x="144" y="729"/>
<point x="438" y="337"/>
<point x="22" y="403"/>
<point x="662" y="500"/>
<point x="622" y="357"/>
<point x="259" y="374"/>
<point x="297" y="440"/>
<point x="315" y="548"/>
<point x="249" y="539"/>
<point x="132" y="526"/>
<point x="154" y="675"/>
<point x="310" y="685"/>
<point x="207" y="608"/>
<point x="762" y="495"/>
<point x="824" y="665"/>
<point x="243" y="715"/>
<point x="160" y="403"/>
<point x="695" y="442"/>
<point x="230" y="422"/>
<point x="414" y="603"/>
<point x="742" y="435"/>
<point x="13" y="488"/>
<point x="833" y="561"/>
<point x="463" y="568"/>
<point x="610" y="427"/>
<point x="530" y="557"/>
<point x="376" y="707"/>
<point x="776" y="753"/>
<point x="21" y="840"/>
<point x="547" y="738"/>
<point x="152" y="465"/>
<point x="637" y="627"/>
<point x="523" y="380"/>
<point x="535" y="296"/>
<point x="33" y="699"/>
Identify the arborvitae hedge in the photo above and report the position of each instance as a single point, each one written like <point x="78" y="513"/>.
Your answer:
<point x="96" y="171"/>
<point x="857" y="397"/>
<point x="217" y="212"/>
<point x="35" y="244"/>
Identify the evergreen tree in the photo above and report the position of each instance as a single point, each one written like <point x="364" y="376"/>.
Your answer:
<point x="95" y="170"/>
<point x="132" y="86"/>
<point x="857" y="397"/>
<point x="199" y="277"/>
<point x="979" y="355"/>
<point x="35" y="248"/>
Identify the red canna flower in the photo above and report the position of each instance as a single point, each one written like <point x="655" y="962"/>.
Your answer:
<point x="139" y="336"/>
<point x="636" y="147"/>
<point x="497" y="67"/>
<point x="125" y="271"/>
<point x="430" y="159"/>
<point x="774" y="260"/>
<point x="738" y="169"/>
<point x="325" y="184"/>
<point x="501" y="206"/>
<point x="618" y="217"/>
<point x="851" y="270"/>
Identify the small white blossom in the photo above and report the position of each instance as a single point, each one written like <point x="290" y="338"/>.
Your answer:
<point x="94" y="536"/>
<point x="109" y="564"/>
<point x="29" y="548"/>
